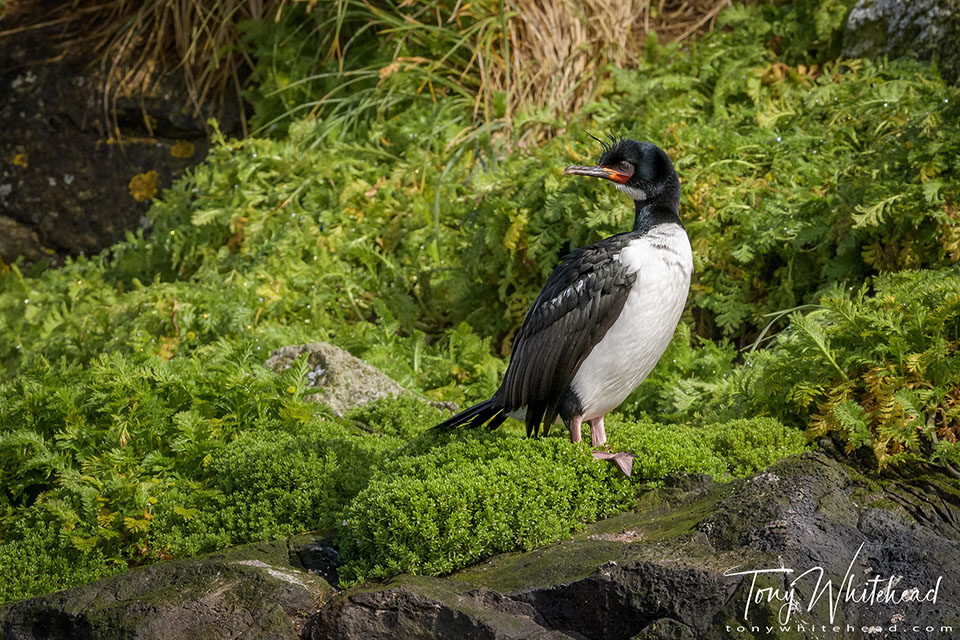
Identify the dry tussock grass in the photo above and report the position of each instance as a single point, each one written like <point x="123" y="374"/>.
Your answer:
<point x="138" y="42"/>
<point x="550" y="57"/>
<point x="560" y="46"/>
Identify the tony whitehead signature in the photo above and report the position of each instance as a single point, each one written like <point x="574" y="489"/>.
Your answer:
<point x="866" y="591"/>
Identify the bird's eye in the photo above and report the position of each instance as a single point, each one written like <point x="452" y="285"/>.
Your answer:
<point x="625" y="167"/>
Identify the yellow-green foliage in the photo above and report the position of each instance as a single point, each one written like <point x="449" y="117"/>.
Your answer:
<point x="137" y="421"/>
<point x="91" y="454"/>
<point x="877" y="369"/>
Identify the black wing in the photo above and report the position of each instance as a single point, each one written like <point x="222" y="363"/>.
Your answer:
<point x="578" y="304"/>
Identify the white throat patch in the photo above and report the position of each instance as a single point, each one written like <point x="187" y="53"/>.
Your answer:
<point x="633" y="192"/>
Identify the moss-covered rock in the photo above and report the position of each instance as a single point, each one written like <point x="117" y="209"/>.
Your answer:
<point x="250" y="592"/>
<point x="671" y="568"/>
<point x="345" y="382"/>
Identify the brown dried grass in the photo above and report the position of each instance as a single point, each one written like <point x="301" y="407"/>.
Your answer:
<point x="559" y="47"/>
<point x="552" y="57"/>
<point x="136" y="43"/>
<point x="139" y="42"/>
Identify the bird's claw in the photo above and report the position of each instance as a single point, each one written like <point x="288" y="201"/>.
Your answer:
<point x="623" y="461"/>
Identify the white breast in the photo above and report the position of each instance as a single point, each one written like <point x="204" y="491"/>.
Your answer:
<point x="663" y="263"/>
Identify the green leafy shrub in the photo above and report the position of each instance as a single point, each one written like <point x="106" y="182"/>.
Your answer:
<point x="420" y="255"/>
<point x="481" y="494"/>
<point x="37" y="557"/>
<point x="90" y="452"/>
<point x="794" y="177"/>
<point x="878" y="370"/>
<point x="197" y="474"/>
<point x="253" y="247"/>
<point x="808" y="30"/>
<point x="442" y="508"/>
<point x="268" y="484"/>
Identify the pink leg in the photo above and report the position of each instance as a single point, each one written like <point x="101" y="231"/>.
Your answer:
<point x="598" y="435"/>
<point x="574" y="425"/>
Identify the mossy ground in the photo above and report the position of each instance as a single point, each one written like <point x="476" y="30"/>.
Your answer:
<point x="137" y="422"/>
<point x="657" y="527"/>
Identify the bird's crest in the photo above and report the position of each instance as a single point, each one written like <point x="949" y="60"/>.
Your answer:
<point x="614" y="140"/>
<point x="609" y="144"/>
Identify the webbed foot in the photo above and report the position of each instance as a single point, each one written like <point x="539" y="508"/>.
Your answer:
<point x="623" y="460"/>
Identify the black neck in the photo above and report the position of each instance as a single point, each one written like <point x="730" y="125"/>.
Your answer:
<point x="658" y="210"/>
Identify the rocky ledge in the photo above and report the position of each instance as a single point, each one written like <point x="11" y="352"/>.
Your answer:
<point x="863" y="557"/>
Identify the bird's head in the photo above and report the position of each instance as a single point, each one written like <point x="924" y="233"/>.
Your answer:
<point x="641" y="170"/>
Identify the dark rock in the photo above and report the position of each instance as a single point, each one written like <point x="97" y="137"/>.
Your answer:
<point x="249" y="592"/>
<point x="927" y="29"/>
<point x="671" y="569"/>
<point x="617" y="600"/>
<point x="65" y="174"/>
<point x="347" y="381"/>
<point x="418" y="607"/>
<point x="675" y="568"/>
<point x="318" y="558"/>
<point x="665" y="629"/>
<point x="17" y="239"/>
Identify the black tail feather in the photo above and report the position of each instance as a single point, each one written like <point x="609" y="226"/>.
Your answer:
<point x="497" y="420"/>
<point x="475" y="416"/>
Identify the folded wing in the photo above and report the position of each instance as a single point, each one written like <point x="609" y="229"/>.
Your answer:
<point x="580" y="301"/>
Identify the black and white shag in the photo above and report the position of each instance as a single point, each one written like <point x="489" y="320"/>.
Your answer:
<point x="606" y="313"/>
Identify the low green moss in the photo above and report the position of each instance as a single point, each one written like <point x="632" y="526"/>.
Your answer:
<point x="442" y="508"/>
<point x="266" y="485"/>
<point x="749" y="446"/>
<point x="38" y="557"/>
<point x="738" y="447"/>
<point x="478" y="495"/>
<point x="403" y="416"/>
